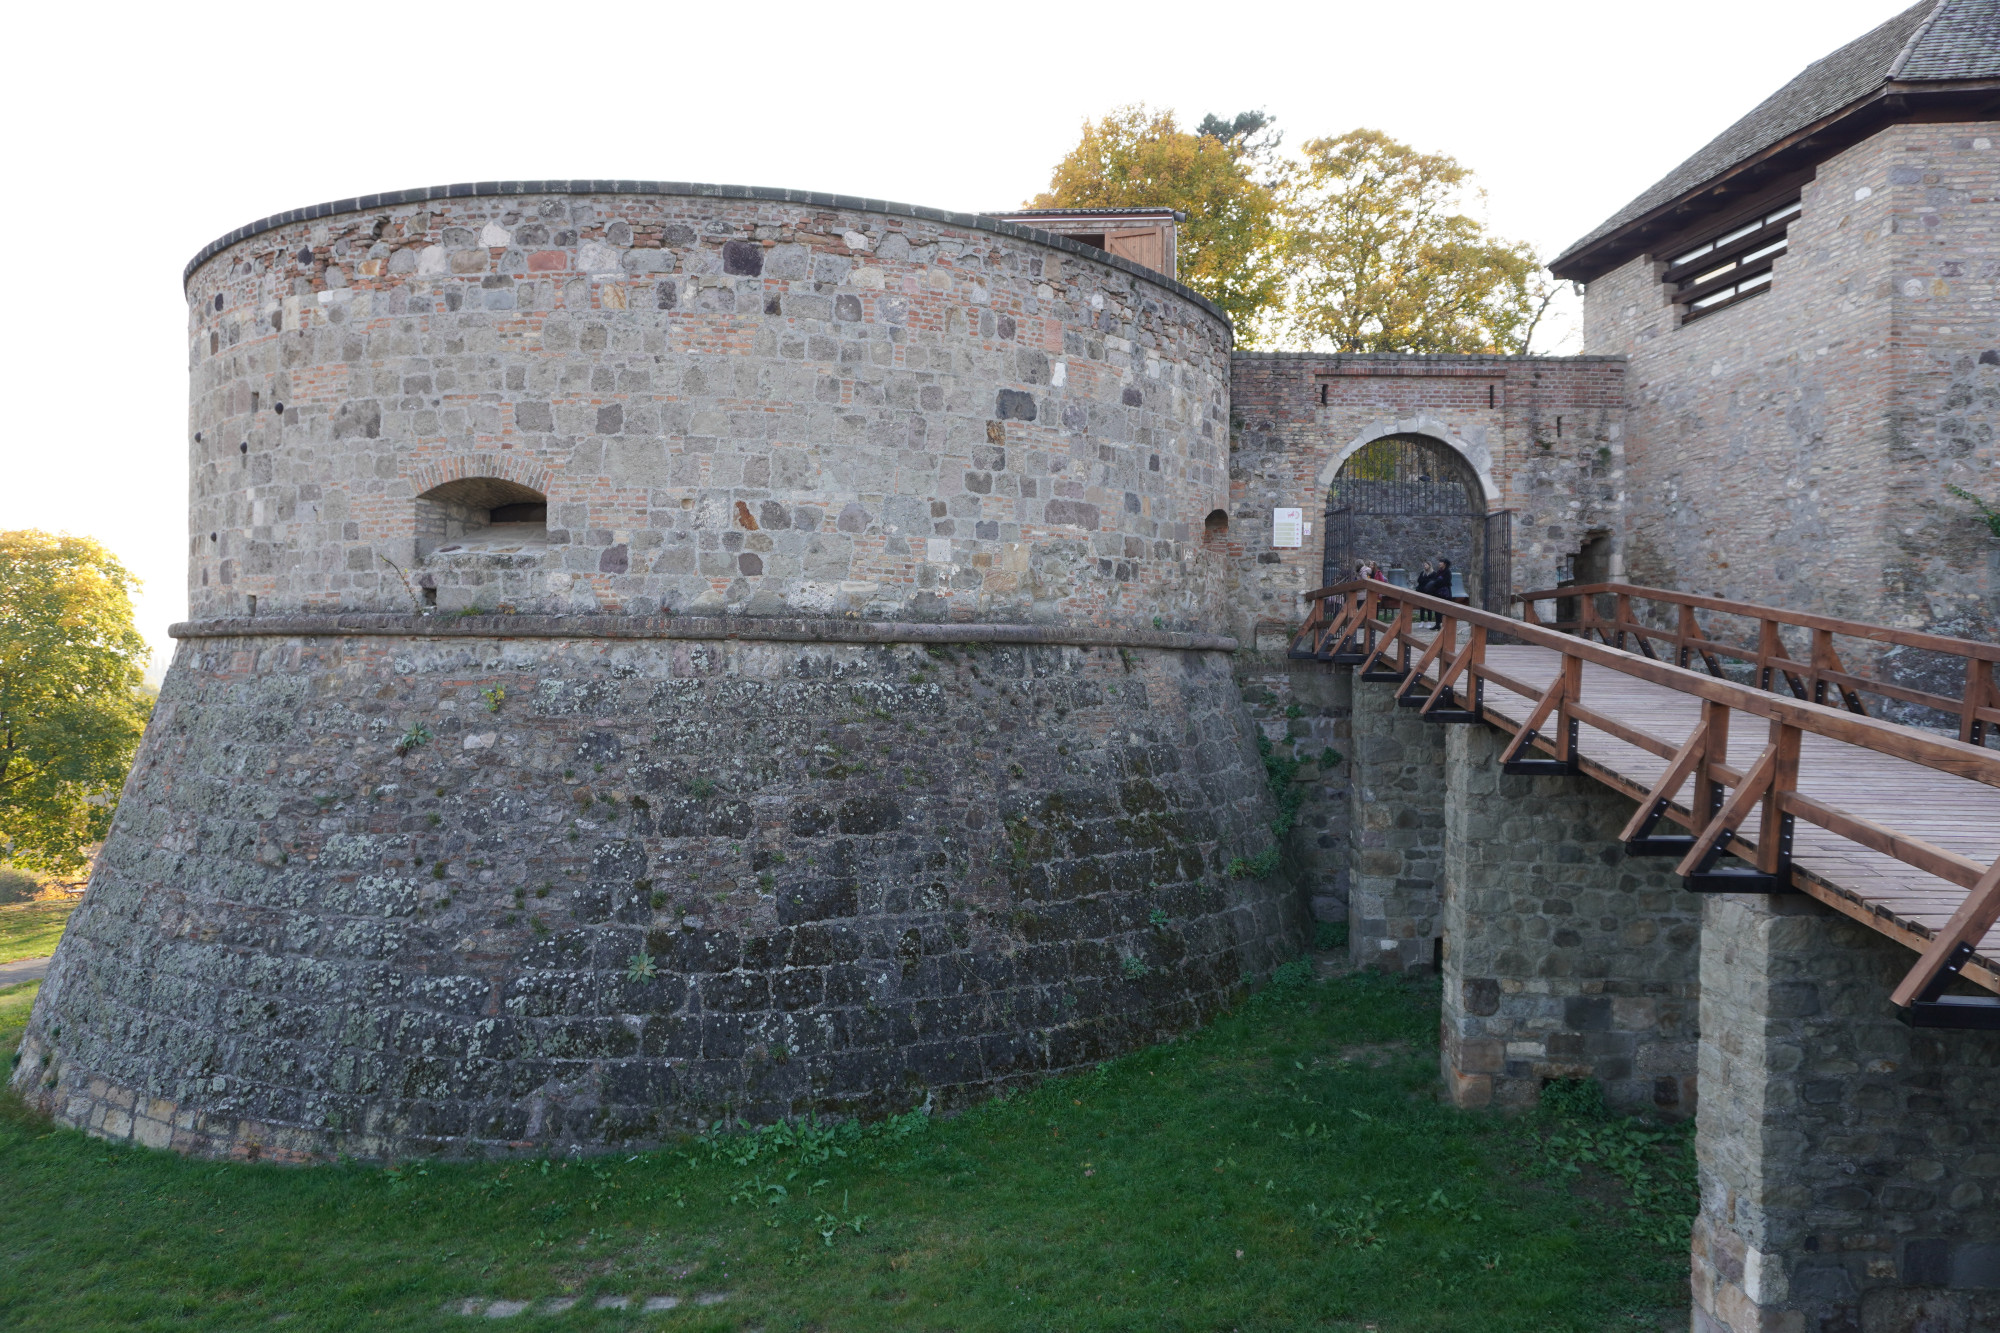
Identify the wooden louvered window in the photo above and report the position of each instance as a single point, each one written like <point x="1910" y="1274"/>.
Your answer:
<point x="1731" y="267"/>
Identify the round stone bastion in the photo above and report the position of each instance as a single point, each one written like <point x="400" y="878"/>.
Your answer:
<point x="663" y="654"/>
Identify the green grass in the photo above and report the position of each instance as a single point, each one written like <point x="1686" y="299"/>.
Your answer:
<point x="30" y="930"/>
<point x="1288" y="1168"/>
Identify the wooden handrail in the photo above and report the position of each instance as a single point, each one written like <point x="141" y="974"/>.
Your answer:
<point x="1989" y="652"/>
<point x="1724" y="799"/>
<point x="1822" y="679"/>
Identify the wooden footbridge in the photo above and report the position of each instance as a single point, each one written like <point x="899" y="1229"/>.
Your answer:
<point x="1895" y="825"/>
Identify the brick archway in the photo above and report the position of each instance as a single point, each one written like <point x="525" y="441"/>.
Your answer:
<point x="1478" y="457"/>
<point x="527" y="472"/>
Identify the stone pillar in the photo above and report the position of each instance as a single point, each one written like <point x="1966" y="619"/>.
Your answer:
<point x="1396" y="833"/>
<point x="1563" y="956"/>
<point x="1850" y="1166"/>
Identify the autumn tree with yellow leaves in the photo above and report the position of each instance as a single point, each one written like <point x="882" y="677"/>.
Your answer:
<point x="1359" y="244"/>
<point x="73" y="701"/>
<point x="1230" y="247"/>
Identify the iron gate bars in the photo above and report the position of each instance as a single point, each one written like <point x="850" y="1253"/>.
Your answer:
<point x="1405" y="499"/>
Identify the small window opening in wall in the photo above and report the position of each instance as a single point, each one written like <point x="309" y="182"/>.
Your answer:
<point x="252" y="601"/>
<point x="1730" y="266"/>
<point x="481" y="514"/>
<point x="1216" y="526"/>
<point x="1322" y="394"/>
<point x="1559" y="428"/>
<point x="1490" y="396"/>
<point x="430" y="596"/>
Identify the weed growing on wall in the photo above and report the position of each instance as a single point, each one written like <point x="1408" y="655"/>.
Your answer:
<point x="1288" y="796"/>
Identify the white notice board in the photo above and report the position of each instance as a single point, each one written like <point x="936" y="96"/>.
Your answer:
<point x="1288" y="527"/>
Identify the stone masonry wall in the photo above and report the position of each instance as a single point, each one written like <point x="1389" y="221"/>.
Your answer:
<point x="1795" y="449"/>
<point x="1396" y="834"/>
<point x="782" y="404"/>
<point x="1546" y="435"/>
<point x="1303" y="711"/>
<point x="1564" y="957"/>
<point x="1850" y="1166"/>
<point x="624" y="887"/>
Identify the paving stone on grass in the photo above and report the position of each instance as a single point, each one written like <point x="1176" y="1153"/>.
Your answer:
<point x="557" y="1304"/>
<point x="505" y="1309"/>
<point x="661" y="1303"/>
<point x="711" y="1298"/>
<point x="470" y="1305"/>
<point x="613" y="1302"/>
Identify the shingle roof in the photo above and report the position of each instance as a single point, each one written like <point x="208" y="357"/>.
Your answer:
<point x="1932" y="41"/>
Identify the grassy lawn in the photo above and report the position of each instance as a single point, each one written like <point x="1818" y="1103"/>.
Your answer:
<point x="1287" y="1168"/>
<point x="30" y="930"/>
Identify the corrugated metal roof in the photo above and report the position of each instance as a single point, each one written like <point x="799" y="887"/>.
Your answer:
<point x="1932" y="41"/>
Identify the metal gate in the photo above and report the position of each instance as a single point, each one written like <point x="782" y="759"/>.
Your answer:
<point x="1405" y="499"/>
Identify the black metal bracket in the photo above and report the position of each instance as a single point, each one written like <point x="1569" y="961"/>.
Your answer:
<point x="1544" y="767"/>
<point x="1707" y="879"/>
<point x="1934" y="1009"/>
<point x="1450" y="711"/>
<point x="1646" y="843"/>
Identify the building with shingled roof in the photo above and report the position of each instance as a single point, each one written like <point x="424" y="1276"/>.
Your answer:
<point x="1807" y="306"/>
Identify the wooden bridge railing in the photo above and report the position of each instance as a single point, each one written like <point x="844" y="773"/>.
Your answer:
<point x="1823" y="677"/>
<point x="1373" y="627"/>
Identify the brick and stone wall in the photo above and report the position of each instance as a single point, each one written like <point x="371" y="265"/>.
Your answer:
<point x="1544" y="434"/>
<point x="1564" y="957"/>
<point x="871" y="758"/>
<point x="1795" y="448"/>
<point x="629" y="886"/>
<point x="1848" y="1163"/>
<point x="783" y="404"/>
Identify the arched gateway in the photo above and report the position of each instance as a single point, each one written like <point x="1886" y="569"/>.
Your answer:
<point x="1405" y="499"/>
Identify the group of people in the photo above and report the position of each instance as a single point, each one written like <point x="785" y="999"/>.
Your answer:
<point x="1434" y="579"/>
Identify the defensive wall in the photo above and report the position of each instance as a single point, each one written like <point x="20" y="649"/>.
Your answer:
<point x="662" y="653"/>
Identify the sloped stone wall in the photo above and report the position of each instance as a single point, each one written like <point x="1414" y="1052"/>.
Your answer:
<point x="626" y="887"/>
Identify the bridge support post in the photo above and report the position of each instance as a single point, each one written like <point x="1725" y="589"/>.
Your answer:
<point x="1563" y="957"/>
<point x="1396" y="833"/>
<point x="1850" y="1166"/>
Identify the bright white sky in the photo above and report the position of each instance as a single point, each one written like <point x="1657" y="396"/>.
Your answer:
<point x="136" y="137"/>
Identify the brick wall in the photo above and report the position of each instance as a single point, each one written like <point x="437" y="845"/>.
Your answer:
<point x="1545" y="435"/>
<point x="1794" y="449"/>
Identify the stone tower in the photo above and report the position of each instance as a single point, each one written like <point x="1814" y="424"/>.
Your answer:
<point x="662" y="652"/>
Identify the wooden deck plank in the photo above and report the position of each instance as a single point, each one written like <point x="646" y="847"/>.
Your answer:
<point x="1952" y="813"/>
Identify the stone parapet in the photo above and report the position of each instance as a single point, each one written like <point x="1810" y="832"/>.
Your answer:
<point x="733" y="402"/>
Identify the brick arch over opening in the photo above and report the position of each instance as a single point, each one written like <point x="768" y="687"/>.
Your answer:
<point x="1477" y="456"/>
<point x="429" y="475"/>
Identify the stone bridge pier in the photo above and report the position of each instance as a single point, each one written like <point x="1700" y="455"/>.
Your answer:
<point x="1849" y="1164"/>
<point x="1563" y="957"/>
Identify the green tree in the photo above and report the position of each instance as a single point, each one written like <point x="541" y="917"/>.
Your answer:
<point x="1230" y="248"/>
<point x="1385" y="259"/>
<point x="73" y="702"/>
